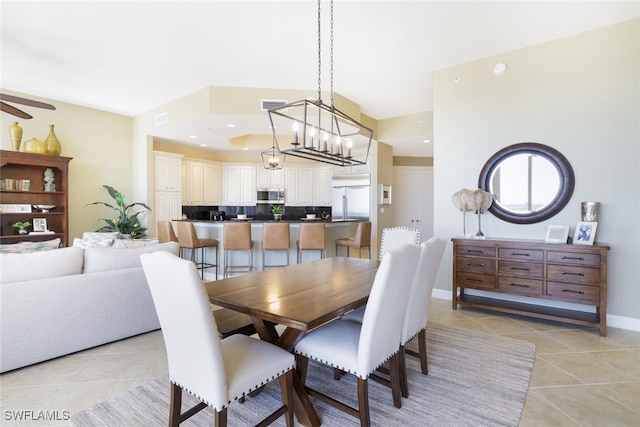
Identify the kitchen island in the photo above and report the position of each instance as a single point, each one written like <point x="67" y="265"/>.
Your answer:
<point x="213" y="230"/>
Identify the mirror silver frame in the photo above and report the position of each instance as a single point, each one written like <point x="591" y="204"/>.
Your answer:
<point x="560" y="162"/>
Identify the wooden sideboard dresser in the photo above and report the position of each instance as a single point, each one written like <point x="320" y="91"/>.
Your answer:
<point x="531" y="268"/>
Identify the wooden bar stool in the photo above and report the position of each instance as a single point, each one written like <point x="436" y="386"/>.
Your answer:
<point x="237" y="237"/>
<point x="187" y="238"/>
<point x="362" y="239"/>
<point x="312" y="238"/>
<point x="275" y="237"/>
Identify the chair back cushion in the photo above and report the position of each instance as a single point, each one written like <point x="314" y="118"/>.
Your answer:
<point x="236" y="236"/>
<point x="363" y="234"/>
<point x="384" y="314"/>
<point x="393" y="237"/>
<point x="194" y="349"/>
<point x="187" y="237"/>
<point x="312" y="236"/>
<point x="276" y="235"/>
<point x="166" y="232"/>
<point x="415" y="317"/>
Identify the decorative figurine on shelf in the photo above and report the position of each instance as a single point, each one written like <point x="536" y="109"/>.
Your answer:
<point x="480" y="201"/>
<point x="49" y="180"/>
<point x="461" y="202"/>
<point x="15" y="134"/>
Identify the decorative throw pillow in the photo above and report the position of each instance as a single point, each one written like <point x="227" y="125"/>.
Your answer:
<point x="137" y="243"/>
<point x="25" y="247"/>
<point x="81" y="243"/>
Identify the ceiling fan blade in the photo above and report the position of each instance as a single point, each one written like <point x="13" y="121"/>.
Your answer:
<point x="13" y="110"/>
<point x="25" y="101"/>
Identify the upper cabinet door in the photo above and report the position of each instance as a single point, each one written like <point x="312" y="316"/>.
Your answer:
<point x="212" y="185"/>
<point x="269" y="178"/>
<point x="168" y="175"/>
<point x="238" y="185"/>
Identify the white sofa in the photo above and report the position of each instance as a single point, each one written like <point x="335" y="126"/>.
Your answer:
<point x="60" y="301"/>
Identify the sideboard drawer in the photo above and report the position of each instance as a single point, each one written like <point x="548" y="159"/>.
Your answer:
<point x="573" y="274"/>
<point x="523" y="254"/>
<point x="474" y="280"/>
<point x="520" y="286"/>
<point x="476" y="265"/>
<point x="579" y="294"/>
<point x="591" y="259"/>
<point x="471" y="250"/>
<point x="520" y="269"/>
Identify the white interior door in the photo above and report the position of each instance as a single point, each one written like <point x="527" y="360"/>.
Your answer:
<point x="413" y="198"/>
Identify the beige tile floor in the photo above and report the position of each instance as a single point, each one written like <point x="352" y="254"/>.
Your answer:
<point x="578" y="379"/>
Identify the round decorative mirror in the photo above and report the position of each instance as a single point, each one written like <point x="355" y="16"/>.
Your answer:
<point x="530" y="182"/>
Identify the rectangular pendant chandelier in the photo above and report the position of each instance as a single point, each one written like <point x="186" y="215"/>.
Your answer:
<point x="315" y="131"/>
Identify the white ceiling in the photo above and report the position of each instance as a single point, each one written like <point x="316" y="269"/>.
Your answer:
<point x="129" y="57"/>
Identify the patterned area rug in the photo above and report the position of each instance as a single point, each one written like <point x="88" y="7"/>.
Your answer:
<point x="475" y="379"/>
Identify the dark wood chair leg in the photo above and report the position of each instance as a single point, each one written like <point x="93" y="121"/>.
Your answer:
<point x="302" y="363"/>
<point x="422" y="349"/>
<point x="286" y="389"/>
<point x="363" y="403"/>
<point x="175" y="405"/>
<point x="220" y="418"/>
<point x="394" y="374"/>
<point x="402" y="362"/>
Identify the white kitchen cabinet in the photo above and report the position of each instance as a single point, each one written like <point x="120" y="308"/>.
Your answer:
<point x="192" y="183"/>
<point x="168" y="186"/>
<point x="413" y="198"/>
<point x="238" y="185"/>
<point x="269" y="178"/>
<point x="322" y="186"/>
<point x="351" y="170"/>
<point x="299" y="185"/>
<point x="167" y="171"/>
<point x="212" y="184"/>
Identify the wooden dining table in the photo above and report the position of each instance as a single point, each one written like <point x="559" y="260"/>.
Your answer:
<point x="300" y="298"/>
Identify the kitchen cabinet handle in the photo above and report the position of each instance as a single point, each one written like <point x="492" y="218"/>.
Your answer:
<point x="572" y="274"/>
<point x="569" y="290"/>
<point x="477" y="265"/>
<point x="520" y="254"/>
<point x="519" y="284"/>
<point x="577" y="258"/>
<point x="521" y="268"/>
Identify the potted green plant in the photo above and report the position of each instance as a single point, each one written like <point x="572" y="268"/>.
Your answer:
<point x="276" y="210"/>
<point x="21" y="226"/>
<point x="126" y="222"/>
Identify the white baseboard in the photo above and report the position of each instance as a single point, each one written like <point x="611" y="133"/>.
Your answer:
<point x="614" y="321"/>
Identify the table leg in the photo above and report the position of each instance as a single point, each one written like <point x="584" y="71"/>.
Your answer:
<point x="305" y="412"/>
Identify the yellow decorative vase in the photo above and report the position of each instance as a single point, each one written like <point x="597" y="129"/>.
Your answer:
<point x="34" y="146"/>
<point x="51" y="144"/>
<point x="15" y="134"/>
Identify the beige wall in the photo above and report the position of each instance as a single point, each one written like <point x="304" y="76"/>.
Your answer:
<point x="100" y="144"/>
<point x="579" y="95"/>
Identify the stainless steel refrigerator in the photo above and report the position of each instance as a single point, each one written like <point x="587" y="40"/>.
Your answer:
<point x="351" y="196"/>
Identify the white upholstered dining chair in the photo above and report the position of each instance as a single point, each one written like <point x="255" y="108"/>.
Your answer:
<point x="417" y="312"/>
<point x="216" y="371"/>
<point x="360" y="348"/>
<point x="392" y="237"/>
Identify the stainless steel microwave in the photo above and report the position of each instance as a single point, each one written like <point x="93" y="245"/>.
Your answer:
<point x="270" y="196"/>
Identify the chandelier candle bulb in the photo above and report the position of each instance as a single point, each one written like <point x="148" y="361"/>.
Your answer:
<point x="296" y="128"/>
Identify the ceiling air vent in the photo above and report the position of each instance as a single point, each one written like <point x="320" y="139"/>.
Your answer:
<point x="161" y="119"/>
<point x="267" y="104"/>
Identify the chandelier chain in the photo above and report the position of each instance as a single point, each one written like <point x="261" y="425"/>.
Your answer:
<point x="331" y="54"/>
<point x="319" y="55"/>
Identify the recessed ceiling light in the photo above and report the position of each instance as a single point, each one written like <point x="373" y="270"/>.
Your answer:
<point x="426" y="141"/>
<point x="230" y="125"/>
<point x="499" y="68"/>
<point x="245" y="149"/>
<point x="193" y="136"/>
<point x="203" y="145"/>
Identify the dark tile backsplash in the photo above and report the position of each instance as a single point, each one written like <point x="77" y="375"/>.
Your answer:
<point x="260" y="212"/>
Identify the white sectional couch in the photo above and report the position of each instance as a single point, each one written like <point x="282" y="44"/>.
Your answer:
<point x="60" y="301"/>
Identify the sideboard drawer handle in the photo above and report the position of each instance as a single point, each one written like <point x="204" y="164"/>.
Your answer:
<point x="521" y="268"/>
<point x="472" y="279"/>
<point x="572" y="274"/>
<point x="475" y="251"/>
<point x="520" y="254"/>
<point x="577" y="258"/>
<point x="519" y="284"/>
<point x="476" y="265"/>
<point x="569" y="290"/>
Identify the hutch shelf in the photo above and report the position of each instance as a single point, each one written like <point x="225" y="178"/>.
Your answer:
<point x="529" y="268"/>
<point x="20" y="167"/>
